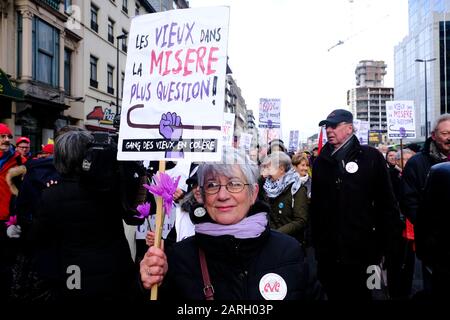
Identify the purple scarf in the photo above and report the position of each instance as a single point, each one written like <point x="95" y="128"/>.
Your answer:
<point x="249" y="227"/>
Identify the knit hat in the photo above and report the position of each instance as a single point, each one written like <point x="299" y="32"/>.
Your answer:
<point x="22" y="139"/>
<point x="4" y="129"/>
<point x="48" y="148"/>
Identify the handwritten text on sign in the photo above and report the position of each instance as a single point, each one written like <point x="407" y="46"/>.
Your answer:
<point x="175" y="85"/>
<point x="400" y="119"/>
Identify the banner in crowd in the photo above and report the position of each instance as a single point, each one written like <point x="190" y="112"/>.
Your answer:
<point x="400" y="119"/>
<point x="245" y="141"/>
<point x="269" y="113"/>
<point x="362" y="130"/>
<point x="322" y="139"/>
<point x="174" y="88"/>
<point x="228" y="129"/>
<point x="266" y="135"/>
<point x="293" y="140"/>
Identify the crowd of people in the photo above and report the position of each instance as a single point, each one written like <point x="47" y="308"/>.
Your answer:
<point x="310" y="225"/>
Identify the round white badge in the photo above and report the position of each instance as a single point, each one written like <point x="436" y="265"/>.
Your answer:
<point x="199" y="212"/>
<point x="273" y="287"/>
<point x="351" y="167"/>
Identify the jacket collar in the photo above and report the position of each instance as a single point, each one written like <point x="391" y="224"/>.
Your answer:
<point x="231" y="250"/>
<point x="352" y="148"/>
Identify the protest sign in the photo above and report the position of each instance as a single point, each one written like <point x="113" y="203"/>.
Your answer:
<point x="174" y="89"/>
<point x="400" y="119"/>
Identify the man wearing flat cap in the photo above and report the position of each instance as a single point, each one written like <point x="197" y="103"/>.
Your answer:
<point x="354" y="213"/>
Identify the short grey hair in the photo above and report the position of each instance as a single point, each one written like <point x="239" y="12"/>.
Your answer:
<point x="398" y="155"/>
<point x="226" y="168"/>
<point x="279" y="159"/>
<point x="442" y="118"/>
<point x="70" y="150"/>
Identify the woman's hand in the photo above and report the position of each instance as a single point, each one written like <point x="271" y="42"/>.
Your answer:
<point x="150" y="238"/>
<point x="153" y="267"/>
<point x="178" y="194"/>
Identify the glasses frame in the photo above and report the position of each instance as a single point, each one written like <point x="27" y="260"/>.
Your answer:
<point x="226" y="187"/>
<point x="334" y="126"/>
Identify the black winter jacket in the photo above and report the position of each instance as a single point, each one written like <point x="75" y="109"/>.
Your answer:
<point x="433" y="220"/>
<point x="78" y="227"/>
<point x="413" y="180"/>
<point x="235" y="266"/>
<point x="354" y="216"/>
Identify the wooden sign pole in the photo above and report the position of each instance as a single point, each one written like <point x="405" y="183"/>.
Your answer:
<point x="158" y="228"/>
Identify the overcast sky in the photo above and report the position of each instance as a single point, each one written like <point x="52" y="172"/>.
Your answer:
<point x="281" y="49"/>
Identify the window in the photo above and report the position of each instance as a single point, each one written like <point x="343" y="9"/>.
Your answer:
<point x="93" y="80"/>
<point x="136" y="10"/>
<point x="67" y="74"/>
<point x="123" y="81"/>
<point x="125" y="6"/>
<point x="19" y="44"/>
<point x="111" y="31"/>
<point x="110" y="72"/>
<point x="124" y="41"/>
<point x="67" y="5"/>
<point x="94" y="18"/>
<point x="45" y="53"/>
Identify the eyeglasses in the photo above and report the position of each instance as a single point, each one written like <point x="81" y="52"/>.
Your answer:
<point x="334" y="125"/>
<point x="4" y="136"/>
<point x="231" y="186"/>
<point x="20" y="147"/>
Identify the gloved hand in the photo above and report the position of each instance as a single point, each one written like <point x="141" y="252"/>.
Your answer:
<point x="13" y="231"/>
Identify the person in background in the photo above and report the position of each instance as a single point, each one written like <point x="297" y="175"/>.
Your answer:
<point x="80" y="224"/>
<point x="354" y="215"/>
<point x="432" y="229"/>
<point x="244" y="257"/>
<point x="301" y="165"/>
<point x="9" y="159"/>
<point x="253" y="155"/>
<point x="394" y="170"/>
<point x="436" y="150"/>
<point x="23" y="147"/>
<point x="314" y="155"/>
<point x="400" y="264"/>
<point x="276" y="145"/>
<point x="286" y="196"/>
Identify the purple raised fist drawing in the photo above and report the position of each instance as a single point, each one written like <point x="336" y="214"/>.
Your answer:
<point x="170" y="126"/>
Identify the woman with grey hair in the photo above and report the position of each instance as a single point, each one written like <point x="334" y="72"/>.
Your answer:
<point x="233" y="255"/>
<point x="286" y="195"/>
<point x="78" y="234"/>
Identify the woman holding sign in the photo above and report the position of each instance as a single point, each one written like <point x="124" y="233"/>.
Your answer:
<point x="233" y="255"/>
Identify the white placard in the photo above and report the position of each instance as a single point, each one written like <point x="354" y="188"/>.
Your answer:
<point x="245" y="141"/>
<point x="400" y="119"/>
<point x="174" y="90"/>
<point x="269" y="113"/>
<point x="293" y="140"/>
<point x="362" y="130"/>
<point x="228" y="129"/>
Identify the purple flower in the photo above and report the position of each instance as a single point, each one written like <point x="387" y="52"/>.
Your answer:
<point x="144" y="210"/>
<point x="164" y="186"/>
<point x="12" y="221"/>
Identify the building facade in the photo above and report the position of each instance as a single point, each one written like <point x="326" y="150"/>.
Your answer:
<point x="427" y="41"/>
<point x="368" y="100"/>
<point x="63" y="62"/>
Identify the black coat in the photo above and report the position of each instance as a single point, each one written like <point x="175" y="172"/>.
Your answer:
<point x="413" y="180"/>
<point x="354" y="216"/>
<point x="235" y="266"/>
<point x="76" y="226"/>
<point x="433" y="220"/>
